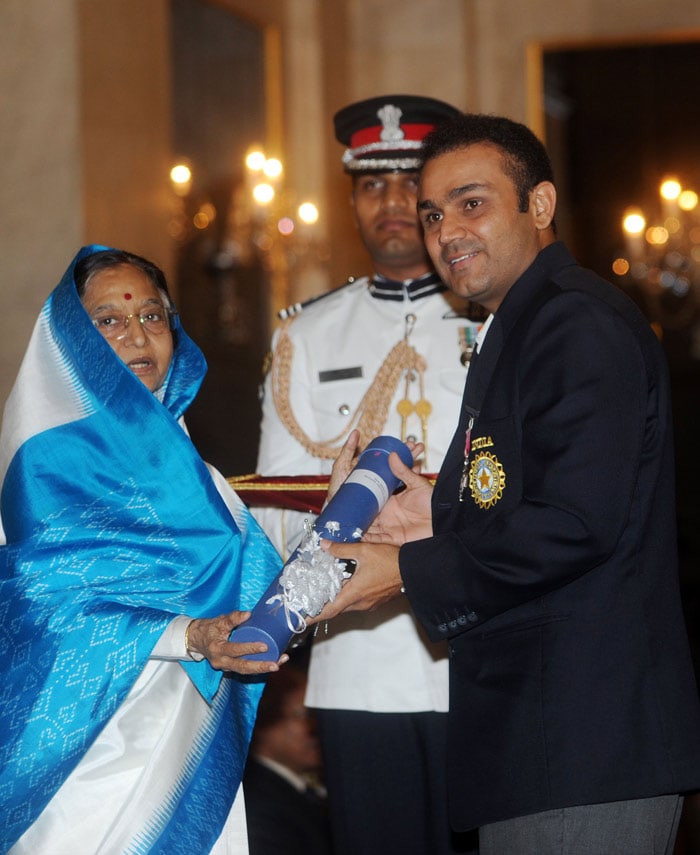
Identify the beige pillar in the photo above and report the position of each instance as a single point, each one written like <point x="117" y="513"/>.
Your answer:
<point x="40" y="171"/>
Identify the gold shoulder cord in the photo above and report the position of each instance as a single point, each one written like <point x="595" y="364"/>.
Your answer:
<point x="370" y="416"/>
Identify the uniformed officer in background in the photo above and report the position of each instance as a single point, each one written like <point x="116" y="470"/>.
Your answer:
<point x="386" y="353"/>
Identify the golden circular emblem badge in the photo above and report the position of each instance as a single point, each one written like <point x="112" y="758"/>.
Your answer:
<point x="486" y="479"/>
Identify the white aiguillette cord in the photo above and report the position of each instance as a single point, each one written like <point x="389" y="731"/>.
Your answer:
<point x="372" y="411"/>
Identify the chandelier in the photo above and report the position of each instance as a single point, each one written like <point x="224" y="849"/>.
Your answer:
<point x="263" y="222"/>
<point x="282" y="229"/>
<point x="661" y="260"/>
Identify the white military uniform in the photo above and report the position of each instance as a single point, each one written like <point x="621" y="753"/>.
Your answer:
<point x="371" y="661"/>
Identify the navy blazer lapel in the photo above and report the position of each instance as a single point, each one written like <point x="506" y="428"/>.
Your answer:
<point x="478" y="381"/>
<point x="522" y="296"/>
<point x="481" y="368"/>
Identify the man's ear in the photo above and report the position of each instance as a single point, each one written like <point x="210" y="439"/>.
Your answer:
<point x="544" y="202"/>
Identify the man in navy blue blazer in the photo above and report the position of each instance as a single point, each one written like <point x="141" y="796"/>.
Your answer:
<point x="546" y="552"/>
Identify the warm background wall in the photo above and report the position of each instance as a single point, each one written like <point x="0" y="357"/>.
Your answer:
<point x="86" y="95"/>
<point x="41" y="210"/>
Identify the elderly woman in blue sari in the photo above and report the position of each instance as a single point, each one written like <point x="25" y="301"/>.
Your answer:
<point x="126" y="563"/>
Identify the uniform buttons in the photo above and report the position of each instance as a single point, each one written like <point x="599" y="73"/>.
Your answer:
<point x="452" y="624"/>
<point x="472" y="616"/>
<point x="344" y="410"/>
<point x="442" y="627"/>
<point x="411" y="438"/>
<point x="461" y="620"/>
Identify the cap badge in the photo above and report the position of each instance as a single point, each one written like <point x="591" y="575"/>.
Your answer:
<point x="390" y="117"/>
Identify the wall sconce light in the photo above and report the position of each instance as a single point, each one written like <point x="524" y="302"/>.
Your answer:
<point x="662" y="255"/>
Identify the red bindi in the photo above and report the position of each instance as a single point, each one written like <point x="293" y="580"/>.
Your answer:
<point x="127" y="296"/>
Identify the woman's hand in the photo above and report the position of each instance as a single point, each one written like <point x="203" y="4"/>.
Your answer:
<point x="208" y="637"/>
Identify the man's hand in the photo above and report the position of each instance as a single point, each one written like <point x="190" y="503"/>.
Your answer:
<point x="407" y="515"/>
<point x="375" y="581"/>
<point x="348" y="456"/>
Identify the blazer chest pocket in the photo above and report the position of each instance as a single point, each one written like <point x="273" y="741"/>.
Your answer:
<point x="493" y="478"/>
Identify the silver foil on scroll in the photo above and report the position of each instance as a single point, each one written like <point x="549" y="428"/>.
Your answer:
<point x="312" y="577"/>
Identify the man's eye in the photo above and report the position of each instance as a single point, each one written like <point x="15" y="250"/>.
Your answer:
<point x="433" y="217"/>
<point x="470" y="204"/>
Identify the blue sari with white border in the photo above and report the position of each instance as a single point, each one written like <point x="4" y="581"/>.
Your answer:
<point x="112" y="527"/>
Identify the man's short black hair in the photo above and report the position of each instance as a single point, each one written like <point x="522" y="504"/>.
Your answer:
<point x="525" y="158"/>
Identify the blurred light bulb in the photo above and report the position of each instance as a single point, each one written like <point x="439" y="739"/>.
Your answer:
<point x="181" y="178"/>
<point x="621" y="266"/>
<point x="633" y="223"/>
<point x="180" y="173"/>
<point x="285" y="226"/>
<point x="670" y="189"/>
<point x="263" y="193"/>
<point x="255" y="160"/>
<point x="308" y="213"/>
<point x="657" y="235"/>
<point x="688" y="200"/>
<point x="272" y="167"/>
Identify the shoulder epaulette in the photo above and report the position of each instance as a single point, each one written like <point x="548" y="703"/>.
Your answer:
<point x="298" y="308"/>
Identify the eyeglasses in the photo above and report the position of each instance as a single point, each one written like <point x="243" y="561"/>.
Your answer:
<point x="155" y="320"/>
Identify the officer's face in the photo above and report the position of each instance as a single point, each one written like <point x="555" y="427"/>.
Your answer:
<point x="478" y="239"/>
<point x="385" y="210"/>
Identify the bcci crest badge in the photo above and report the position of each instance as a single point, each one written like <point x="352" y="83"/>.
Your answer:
<point x="486" y="479"/>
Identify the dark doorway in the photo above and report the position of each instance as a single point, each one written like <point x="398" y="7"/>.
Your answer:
<point x="218" y="114"/>
<point x="618" y="120"/>
<point x="623" y="118"/>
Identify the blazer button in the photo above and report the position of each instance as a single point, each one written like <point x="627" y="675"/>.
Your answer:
<point x="452" y="624"/>
<point x="472" y="617"/>
<point x="442" y="627"/>
<point x="461" y="620"/>
<point x="344" y="410"/>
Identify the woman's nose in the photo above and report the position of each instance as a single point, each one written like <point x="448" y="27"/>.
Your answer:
<point x="134" y="332"/>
